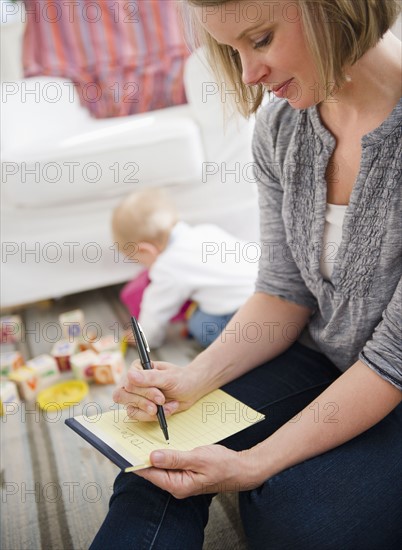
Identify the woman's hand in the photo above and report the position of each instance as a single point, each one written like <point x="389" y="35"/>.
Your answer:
<point x="166" y="384"/>
<point x="209" y="469"/>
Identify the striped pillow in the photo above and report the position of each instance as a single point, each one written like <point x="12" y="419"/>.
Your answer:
<point x="124" y="57"/>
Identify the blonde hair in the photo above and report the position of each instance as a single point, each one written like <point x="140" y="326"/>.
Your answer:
<point x="337" y="32"/>
<point x="144" y="216"/>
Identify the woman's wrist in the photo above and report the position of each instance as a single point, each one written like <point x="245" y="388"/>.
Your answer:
<point x="204" y="374"/>
<point x="261" y="463"/>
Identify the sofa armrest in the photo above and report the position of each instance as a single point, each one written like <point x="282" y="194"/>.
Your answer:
<point x="54" y="152"/>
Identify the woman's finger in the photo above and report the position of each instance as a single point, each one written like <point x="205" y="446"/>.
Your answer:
<point x="136" y="379"/>
<point x="143" y="398"/>
<point x="138" y="414"/>
<point x="175" y="460"/>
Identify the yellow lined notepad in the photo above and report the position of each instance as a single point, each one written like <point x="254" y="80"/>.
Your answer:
<point x="213" y="418"/>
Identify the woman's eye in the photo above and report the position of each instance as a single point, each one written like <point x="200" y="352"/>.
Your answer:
<point x="264" y="42"/>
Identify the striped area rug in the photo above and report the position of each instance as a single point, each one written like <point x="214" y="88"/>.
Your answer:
<point x="55" y="486"/>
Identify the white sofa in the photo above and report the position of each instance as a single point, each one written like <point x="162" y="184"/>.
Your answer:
<point x="63" y="172"/>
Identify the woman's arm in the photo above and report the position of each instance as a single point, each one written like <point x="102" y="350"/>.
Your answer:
<point x="263" y="328"/>
<point x="355" y="402"/>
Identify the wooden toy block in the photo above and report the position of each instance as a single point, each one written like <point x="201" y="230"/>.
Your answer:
<point x="27" y="381"/>
<point x="106" y="343"/>
<point x="83" y="363"/>
<point x="8" y="395"/>
<point x="45" y="366"/>
<point x="12" y="329"/>
<point x="92" y="342"/>
<point x="62" y="351"/>
<point x="10" y="361"/>
<point x="109" y="367"/>
<point x="84" y="345"/>
<point x="72" y="323"/>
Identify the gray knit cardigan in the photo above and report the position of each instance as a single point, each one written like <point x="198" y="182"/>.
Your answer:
<point x="358" y="314"/>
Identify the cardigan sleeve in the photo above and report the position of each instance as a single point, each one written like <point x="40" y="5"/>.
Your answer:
<point x="278" y="273"/>
<point x="383" y="352"/>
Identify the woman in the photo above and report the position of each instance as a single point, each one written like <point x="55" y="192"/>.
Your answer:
<point x="327" y="302"/>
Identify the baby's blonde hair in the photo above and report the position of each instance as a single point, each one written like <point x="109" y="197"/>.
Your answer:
<point x="144" y="216"/>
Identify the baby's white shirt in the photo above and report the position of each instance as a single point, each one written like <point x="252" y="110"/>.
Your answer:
<point x="202" y="263"/>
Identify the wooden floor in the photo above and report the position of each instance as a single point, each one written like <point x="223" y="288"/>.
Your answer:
<point x="55" y="486"/>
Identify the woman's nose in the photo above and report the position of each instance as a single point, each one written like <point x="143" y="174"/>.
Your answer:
<point x="254" y="71"/>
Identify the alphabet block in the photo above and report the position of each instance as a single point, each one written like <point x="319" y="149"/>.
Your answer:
<point x="10" y="361"/>
<point x="72" y="323"/>
<point x="45" y="367"/>
<point x="109" y="367"/>
<point x="106" y="343"/>
<point x="8" y="395"/>
<point x="83" y="363"/>
<point x="11" y="329"/>
<point x="62" y="352"/>
<point x="27" y="381"/>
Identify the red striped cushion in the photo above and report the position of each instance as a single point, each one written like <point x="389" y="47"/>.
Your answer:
<point x="124" y="57"/>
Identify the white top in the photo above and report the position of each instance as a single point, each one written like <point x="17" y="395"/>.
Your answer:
<point x="203" y="263"/>
<point x="334" y="215"/>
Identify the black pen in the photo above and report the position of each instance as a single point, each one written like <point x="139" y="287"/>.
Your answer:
<point x="143" y="351"/>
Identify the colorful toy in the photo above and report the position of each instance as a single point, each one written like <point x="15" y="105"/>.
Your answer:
<point x="106" y="343"/>
<point x="10" y="361"/>
<point x="109" y="367"/>
<point x="63" y="395"/>
<point x="101" y="361"/>
<point x="72" y="323"/>
<point x="12" y="329"/>
<point x="86" y="343"/>
<point x="8" y="394"/>
<point x="83" y="363"/>
<point x="123" y="347"/>
<point x="27" y="380"/>
<point x="62" y="351"/>
<point x="45" y="366"/>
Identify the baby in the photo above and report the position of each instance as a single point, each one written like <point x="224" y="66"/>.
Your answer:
<point x="200" y="263"/>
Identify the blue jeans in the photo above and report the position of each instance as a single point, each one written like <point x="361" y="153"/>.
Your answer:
<point x="348" y="498"/>
<point x="206" y="328"/>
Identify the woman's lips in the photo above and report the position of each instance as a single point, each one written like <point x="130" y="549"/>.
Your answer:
<point x="280" y="91"/>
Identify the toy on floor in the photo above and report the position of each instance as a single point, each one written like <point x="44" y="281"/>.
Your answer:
<point x="11" y="329"/>
<point x="89" y="359"/>
<point x="62" y="352"/>
<point x="10" y="361"/>
<point x="109" y="368"/>
<point x="8" y="396"/>
<point x="72" y="324"/>
<point x="27" y="382"/>
<point x="45" y="366"/>
<point x="62" y="395"/>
